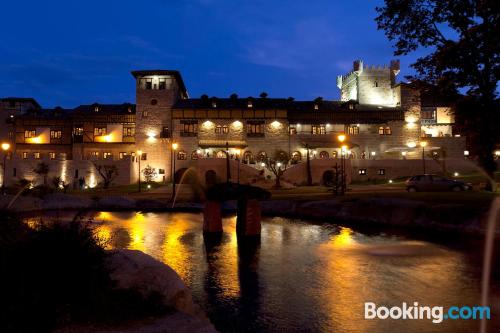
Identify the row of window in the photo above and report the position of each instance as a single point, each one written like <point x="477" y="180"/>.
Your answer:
<point x="37" y="155"/>
<point x="363" y="172"/>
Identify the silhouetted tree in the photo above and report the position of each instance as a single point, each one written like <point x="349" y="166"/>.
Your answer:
<point x="462" y="44"/>
<point x="277" y="164"/>
<point x="108" y="173"/>
<point x="42" y="169"/>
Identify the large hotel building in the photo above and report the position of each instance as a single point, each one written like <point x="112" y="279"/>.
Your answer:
<point x="384" y="122"/>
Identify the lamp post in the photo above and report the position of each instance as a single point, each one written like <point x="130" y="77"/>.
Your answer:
<point x="423" y="144"/>
<point x="343" y="149"/>
<point x="238" y="152"/>
<point x="5" y="148"/>
<point x="139" y="157"/>
<point x="174" y="148"/>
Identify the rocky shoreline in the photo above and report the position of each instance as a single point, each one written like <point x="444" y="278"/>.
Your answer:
<point x="363" y="211"/>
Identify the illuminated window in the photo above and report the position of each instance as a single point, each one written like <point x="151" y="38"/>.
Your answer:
<point x="249" y="104"/>
<point x="145" y="114"/>
<point x="362" y="172"/>
<point x="96" y="109"/>
<point x="146" y="83"/>
<point x="194" y="155"/>
<point x="384" y="130"/>
<point x="94" y="154"/>
<point x="351" y="106"/>
<point x="78" y="131"/>
<point x="55" y="134"/>
<point x="381" y="172"/>
<point x="25" y="155"/>
<point x="181" y="155"/>
<point x="189" y="128"/>
<point x="293" y="130"/>
<point x="218" y="129"/>
<point x="122" y="155"/>
<point x="144" y="156"/>
<point x="29" y="134"/>
<point x="255" y="128"/>
<point x="318" y="129"/>
<point x="99" y="131"/>
<point x="107" y="155"/>
<point x="37" y="155"/>
<point x="128" y="131"/>
<point x="52" y="155"/>
<point x="62" y="156"/>
<point x="353" y="130"/>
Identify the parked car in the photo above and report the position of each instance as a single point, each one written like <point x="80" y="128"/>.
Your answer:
<point x="434" y="183"/>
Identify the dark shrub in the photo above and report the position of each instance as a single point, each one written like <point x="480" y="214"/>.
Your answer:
<point x="55" y="274"/>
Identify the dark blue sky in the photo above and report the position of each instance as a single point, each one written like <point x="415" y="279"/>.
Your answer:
<point x="78" y="52"/>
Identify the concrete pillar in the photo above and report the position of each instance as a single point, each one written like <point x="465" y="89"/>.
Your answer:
<point x="249" y="217"/>
<point x="212" y="217"/>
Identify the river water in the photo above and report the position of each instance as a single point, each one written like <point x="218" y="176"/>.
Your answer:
<point x="305" y="276"/>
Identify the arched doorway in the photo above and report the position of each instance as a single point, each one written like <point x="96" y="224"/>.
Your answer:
<point x="334" y="154"/>
<point x="261" y="156"/>
<point x="328" y="178"/>
<point x="210" y="178"/>
<point x="248" y="157"/>
<point x="221" y="154"/>
<point x="296" y="156"/>
<point x="324" y="154"/>
<point x="195" y="155"/>
<point x="178" y="175"/>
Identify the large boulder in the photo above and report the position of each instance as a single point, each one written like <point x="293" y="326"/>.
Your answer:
<point x="132" y="269"/>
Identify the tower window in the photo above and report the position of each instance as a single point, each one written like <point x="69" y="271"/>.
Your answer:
<point x="96" y="108"/>
<point x="162" y="84"/>
<point x="145" y="114"/>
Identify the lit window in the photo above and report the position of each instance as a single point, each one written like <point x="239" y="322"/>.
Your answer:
<point x="316" y="107"/>
<point x="194" y="155"/>
<point x="190" y="128"/>
<point x="381" y="172"/>
<point x="25" y="155"/>
<point x="145" y="114"/>
<point x="94" y="154"/>
<point x="37" y="155"/>
<point x="99" y="131"/>
<point x="256" y="128"/>
<point x="362" y="172"/>
<point x="55" y="134"/>
<point x="128" y="131"/>
<point x="214" y="104"/>
<point x="107" y="155"/>
<point x="122" y="155"/>
<point x="318" y="129"/>
<point x="351" y="106"/>
<point x="96" y="108"/>
<point x="387" y="131"/>
<point x="62" y="156"/>
<point x="353" y="130"/>
<point x="29" y="134"/>
<point x="162" y="84"/>
<point x="250" y="104"/>
<point x="144" y="156"/>
<point x="181" y="155"/>
<point x="78" y="131"/>
<point x="293" y="130"/>
<point x="52" y="155"/>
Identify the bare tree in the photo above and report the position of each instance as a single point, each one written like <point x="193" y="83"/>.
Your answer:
<point x="149" y="173"/>
<point x="277" y="164"/>
<point x="107" y="172"/>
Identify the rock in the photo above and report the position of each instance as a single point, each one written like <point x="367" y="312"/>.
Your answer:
<point x="135" y="269"/>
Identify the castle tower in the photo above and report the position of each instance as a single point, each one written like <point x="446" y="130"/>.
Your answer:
<point x="369" y="84"/>
<point x="156" y="92"/>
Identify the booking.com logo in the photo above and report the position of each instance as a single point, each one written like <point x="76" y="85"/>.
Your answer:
<point x="435" y="313"/>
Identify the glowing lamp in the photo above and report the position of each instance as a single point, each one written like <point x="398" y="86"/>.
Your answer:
<point x="175" y="146"/>
<point x="423" y="144"/>
<point x="341" y="137"/>
<point x="5" y="146"/>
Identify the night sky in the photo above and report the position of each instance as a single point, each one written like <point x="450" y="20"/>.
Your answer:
<point x="68" y="53"/>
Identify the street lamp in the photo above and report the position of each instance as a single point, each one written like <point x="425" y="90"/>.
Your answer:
<point x="423" y="144"/>
<point x="5" y="148"/>
<point x="343" y="150"/>
<point x="174" y="148"/>
<point x="139" y="157"/>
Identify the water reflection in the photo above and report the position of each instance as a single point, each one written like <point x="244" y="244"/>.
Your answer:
<point x="300" y="276"/>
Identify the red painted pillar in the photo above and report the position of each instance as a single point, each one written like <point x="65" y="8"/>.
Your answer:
<point x="249" y="217"/>
<point x="212" y="217"/>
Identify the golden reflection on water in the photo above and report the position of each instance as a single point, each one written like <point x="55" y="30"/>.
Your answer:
<point x="178" y="243"/>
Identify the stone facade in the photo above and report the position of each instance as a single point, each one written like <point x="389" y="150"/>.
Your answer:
<point x="382" y="120"/>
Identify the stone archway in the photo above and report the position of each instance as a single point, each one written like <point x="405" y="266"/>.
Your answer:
<point x="210" y="178"/>
<point x="221" y="154"/>
<point x="324" y="154"/>
<point x="296" y="156"/>
<point x="248" y="157"/>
